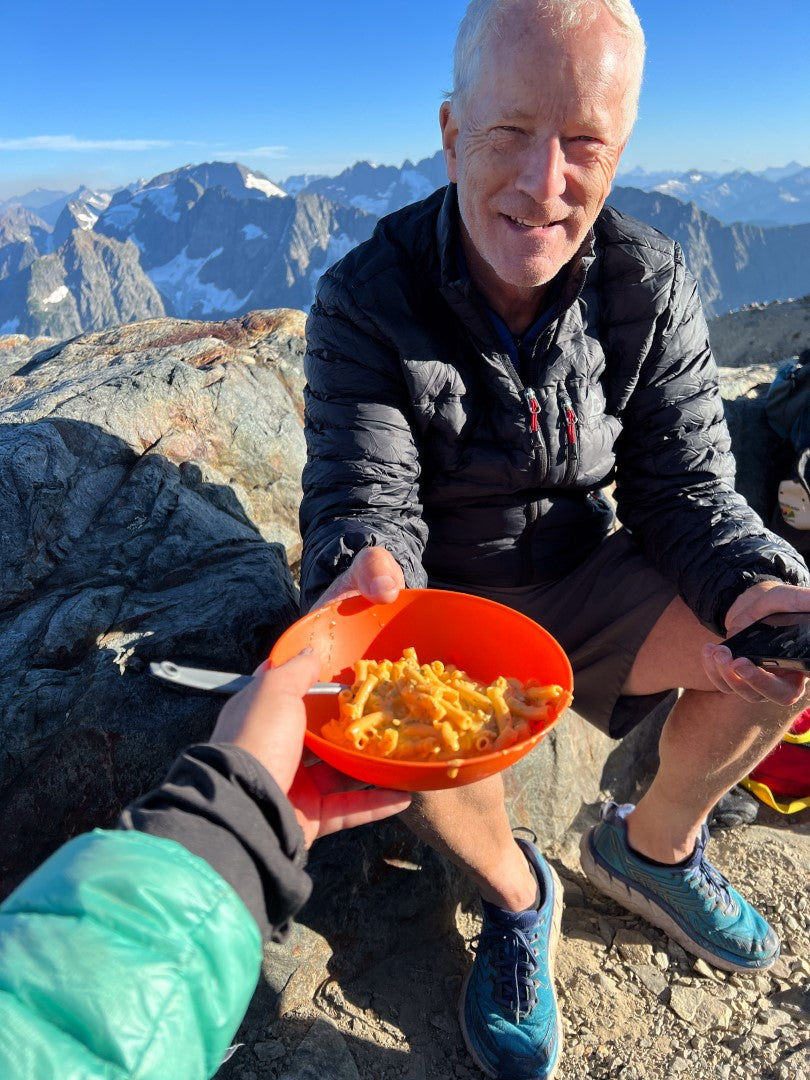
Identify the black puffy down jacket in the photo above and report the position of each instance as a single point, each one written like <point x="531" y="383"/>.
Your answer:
<point x="422" y="437"/>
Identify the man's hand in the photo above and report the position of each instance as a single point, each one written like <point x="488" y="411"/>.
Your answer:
<point x="268" y="719"/>
<point x="374" y="574"/>
<point x="739" y="676"/>
<point x="763" y="599"/>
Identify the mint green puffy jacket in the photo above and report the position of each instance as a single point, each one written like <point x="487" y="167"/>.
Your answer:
<point x="123" y="956"/>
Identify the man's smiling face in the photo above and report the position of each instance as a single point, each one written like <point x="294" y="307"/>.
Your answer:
<point x="533" y="149"/>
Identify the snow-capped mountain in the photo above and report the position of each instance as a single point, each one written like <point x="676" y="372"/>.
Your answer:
<point x="293" y="184"/>
<point x="219" y="239"/>
<point x="203" y="241"/>
<point x="81" y="211"/>
<point x="169" y="194"/>
<point x="48" y="205"/>
<point x="776" y="196"/>
<point x="23" y="237"/>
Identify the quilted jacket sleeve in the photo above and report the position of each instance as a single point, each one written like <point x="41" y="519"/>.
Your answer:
<point x="675" y="471"/>
<point x="133" y="954"/>
<point x="361" y="480"/>
<point x="123" y="957"/>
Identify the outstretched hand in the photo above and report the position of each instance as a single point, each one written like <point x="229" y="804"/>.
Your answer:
<point x="268" y="719"/>
<point x="374" y="574"/>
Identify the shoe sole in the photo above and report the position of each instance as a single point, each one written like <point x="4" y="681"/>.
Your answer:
<point x="620" y="891"/>
<point x="554" y="937"/>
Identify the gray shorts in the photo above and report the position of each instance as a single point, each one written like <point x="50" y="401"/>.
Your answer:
<point x="601" y="614"/>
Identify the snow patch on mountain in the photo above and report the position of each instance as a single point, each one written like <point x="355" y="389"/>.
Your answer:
<point x="88" y="205"/>
<point x="163" y="199"/>
<point x="179" y="281"/>
<point x="261" y="183"/>
<point x="57" y="296"/>
<point x="418" y="185"/>
<point x="294" y="184"/>
<point x="86" y="219"/>
<point x="675" y="188"/>
<point x="373" y="204"/>
<point x="338" y="246"/>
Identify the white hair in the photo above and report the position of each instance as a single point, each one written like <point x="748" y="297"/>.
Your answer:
<point x="487" y="18"/>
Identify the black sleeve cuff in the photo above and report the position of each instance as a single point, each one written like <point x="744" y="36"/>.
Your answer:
<point x="221" y="804"/>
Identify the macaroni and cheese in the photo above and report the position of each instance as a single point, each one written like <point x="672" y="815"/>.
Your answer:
<point x="432" y="712"/>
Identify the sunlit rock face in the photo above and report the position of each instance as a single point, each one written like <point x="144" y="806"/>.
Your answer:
<point x="149" y="485"/>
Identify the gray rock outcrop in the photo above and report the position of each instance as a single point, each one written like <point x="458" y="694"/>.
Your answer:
<point x="221" y="400"/>
<point x="761" y="333"/>
<point x="148" y="491"/>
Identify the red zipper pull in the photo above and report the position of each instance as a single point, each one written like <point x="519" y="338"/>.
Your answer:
<point x="534" y="409"/>
<point x="571" y="422"/>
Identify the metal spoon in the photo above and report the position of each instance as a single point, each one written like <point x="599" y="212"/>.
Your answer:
<point x="221" y="682"/>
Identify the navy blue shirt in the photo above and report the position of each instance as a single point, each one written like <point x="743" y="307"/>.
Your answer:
<point x="521" y="347"/>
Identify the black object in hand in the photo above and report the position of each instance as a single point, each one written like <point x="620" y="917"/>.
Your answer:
<point x="781" y="640"/>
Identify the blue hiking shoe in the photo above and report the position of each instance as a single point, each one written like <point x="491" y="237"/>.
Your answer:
<point x="692" y="902"/>
<point x="508" y="1008"/>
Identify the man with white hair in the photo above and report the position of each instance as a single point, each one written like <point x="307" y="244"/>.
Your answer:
<point x="478" y="373"/>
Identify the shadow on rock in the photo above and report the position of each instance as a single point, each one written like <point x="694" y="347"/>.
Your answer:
<point x="112" y="559"/>
<point x="377" y="952"/>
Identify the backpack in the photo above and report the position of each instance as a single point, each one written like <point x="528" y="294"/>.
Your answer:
<point x="782" y="779"/>
<point x="787" y="409"/>
<point x="793" y="494"/>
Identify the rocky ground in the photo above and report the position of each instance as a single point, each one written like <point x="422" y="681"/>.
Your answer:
<point x="761" y="333"/>
<point x="635" y="1006"/>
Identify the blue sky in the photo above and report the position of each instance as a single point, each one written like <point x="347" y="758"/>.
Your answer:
<point x="102" y="94"/>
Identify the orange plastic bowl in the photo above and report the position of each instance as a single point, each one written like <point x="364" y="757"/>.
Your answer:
<point x="483" y="638"/>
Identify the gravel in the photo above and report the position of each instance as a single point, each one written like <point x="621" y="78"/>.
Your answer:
<point x="634" y="1005"/>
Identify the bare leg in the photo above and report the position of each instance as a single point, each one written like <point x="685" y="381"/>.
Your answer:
<point x="709" y="742"/>
<point x="469" y="825"/>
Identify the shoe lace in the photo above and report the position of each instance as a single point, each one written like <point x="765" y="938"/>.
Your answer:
<point x="516" y="968"/>
<point x="710" y="884"/>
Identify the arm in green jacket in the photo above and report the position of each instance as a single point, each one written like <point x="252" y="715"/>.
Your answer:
<point x="127" y="954"/>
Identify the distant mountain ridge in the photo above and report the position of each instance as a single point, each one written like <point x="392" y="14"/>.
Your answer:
<point x="735" y="265"/>
<point x="218" y="239"/>
<point x="90" y="280"/>
<point x="776" y="196"/>
<point x="381" y="189"/>
<point x="203" y="241"/>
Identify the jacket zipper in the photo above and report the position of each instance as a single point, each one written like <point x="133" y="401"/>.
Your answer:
<point x="568" y="422"/>
<point x="533" y="406"/>
<point x="534" y="412"/>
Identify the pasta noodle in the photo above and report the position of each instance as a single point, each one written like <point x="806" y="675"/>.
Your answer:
<point x="428" y="712"/>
